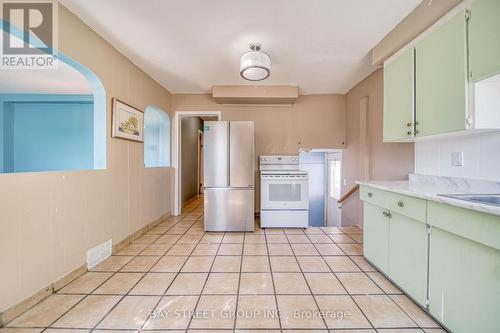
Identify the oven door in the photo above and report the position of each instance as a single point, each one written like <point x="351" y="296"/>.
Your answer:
<point x="284" y="192"/>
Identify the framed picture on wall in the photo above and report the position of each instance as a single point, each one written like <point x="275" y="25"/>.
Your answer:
<point x="128" y="122"/>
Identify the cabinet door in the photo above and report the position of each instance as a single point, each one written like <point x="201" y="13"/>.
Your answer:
<point x="464" y="283"/>
<point x="484" y="41"/>
<point x="376" y="236"/>
<point x="399" y="80"/>
<point x="441" y="79"/>
<point x="408" y="253"/>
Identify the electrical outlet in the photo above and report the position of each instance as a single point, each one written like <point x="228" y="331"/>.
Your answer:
<point x="457" y="158"/>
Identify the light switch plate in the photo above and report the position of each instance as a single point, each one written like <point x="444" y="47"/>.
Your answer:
<point x="457" y="158"/>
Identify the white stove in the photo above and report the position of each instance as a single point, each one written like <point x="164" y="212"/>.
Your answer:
<point x="284" y="199"/>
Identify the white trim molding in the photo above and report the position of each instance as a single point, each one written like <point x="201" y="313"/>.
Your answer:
<point x="176" y="151"/>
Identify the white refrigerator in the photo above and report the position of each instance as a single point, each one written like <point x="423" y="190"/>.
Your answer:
<point x="229" y="175"/>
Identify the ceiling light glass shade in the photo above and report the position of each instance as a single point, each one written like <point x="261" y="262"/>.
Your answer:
<point x="255" y="65"/>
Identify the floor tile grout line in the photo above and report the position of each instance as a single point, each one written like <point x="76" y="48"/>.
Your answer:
<point x="384" y="292"/>
<point x="274" y="284"/>
<point x="127" y="294"/>
<point x="93" y="290"/>
<point x="307" y="282"/>
<point x="204" y="285"/>
<point x="343" y="286"/>
<point x="190" y="255"/>
<point x="234" y="294"/>
<point x="164" y="293"/>
<point x="177" y="273"/>
<point x="239" y="283"/>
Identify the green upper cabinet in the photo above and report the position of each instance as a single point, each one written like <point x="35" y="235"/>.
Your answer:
<point x="399" y="80"/>
<point x="441" y="79"/>
<point x="484" y="40"/>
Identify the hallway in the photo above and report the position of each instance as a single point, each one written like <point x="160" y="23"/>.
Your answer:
<point x="177" y="277"/>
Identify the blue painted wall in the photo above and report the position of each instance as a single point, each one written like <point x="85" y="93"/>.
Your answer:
<point x="47" y="132"/>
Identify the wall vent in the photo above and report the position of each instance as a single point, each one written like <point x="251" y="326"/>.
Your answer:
<point x="99" y="253"/>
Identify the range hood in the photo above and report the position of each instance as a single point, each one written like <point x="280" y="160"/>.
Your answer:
<point x="250" y="94"/>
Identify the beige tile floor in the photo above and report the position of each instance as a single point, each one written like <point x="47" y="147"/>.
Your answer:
<point x="177" y="278"/>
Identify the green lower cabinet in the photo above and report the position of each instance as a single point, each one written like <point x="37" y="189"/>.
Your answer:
<point x="408" y="254"/>
<point x="376" y="236"/>
<point x="464" y="283"/>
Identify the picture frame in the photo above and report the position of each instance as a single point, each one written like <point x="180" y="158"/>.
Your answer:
<point x="127" y="122"/>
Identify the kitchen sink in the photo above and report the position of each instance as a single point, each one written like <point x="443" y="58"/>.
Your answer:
<point x="487" y="199"/>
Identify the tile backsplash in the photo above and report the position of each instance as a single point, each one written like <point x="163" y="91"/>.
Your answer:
<point x="481" y="156"/>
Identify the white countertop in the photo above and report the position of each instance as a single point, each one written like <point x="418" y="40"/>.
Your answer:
<point x="430" y="191"/>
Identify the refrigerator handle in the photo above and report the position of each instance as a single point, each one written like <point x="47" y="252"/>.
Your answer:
<point x="228" y="154"/>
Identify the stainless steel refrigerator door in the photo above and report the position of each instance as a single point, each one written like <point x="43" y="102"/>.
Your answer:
<point x="241" y="154"/>
<point x="229" y="209"/>
<point x="216" y="154"/>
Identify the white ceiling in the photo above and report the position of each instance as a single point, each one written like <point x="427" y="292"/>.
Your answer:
<point x="323" y="46"/>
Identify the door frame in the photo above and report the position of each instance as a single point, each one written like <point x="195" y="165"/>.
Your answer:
<point x="176" y="151"/>
<point x="326" y="151"/>
<point x="328" y="184"/>
<point x="201" y="140"/>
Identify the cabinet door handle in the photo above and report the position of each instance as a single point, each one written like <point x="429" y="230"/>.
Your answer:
<point x="409" y="124"/>
<point x="389" y="215"/>
<point x="370" y="194"/>
<point x="409" y="133"/>
<point x="385" y="213"/>
<point x="401" y="204"/>
<point x="416" y="132"/>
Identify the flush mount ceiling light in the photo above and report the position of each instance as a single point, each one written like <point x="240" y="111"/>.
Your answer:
<point x="255" y="65"/>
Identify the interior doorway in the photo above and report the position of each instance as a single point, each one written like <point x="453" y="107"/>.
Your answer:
<point x="200" y="162"/>
<point x="324" y="168"/>
<point x="177" y="153"/>
<point x="334" y="183"/>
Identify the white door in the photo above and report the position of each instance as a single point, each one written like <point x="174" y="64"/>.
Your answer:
<point x="334" y="171"/>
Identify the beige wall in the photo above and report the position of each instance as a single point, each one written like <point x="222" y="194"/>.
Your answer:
<point x="189" y="156"/>
<point x="48" y="221"/>
<point x="314" y="121"/>
<point x="387" y="161"/>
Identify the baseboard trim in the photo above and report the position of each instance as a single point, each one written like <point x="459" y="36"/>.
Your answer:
<point x="18" y="309"/>
<point x="65" y="280"/>
<point x="190" y="200"/>
<point x="23" y="306"/>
